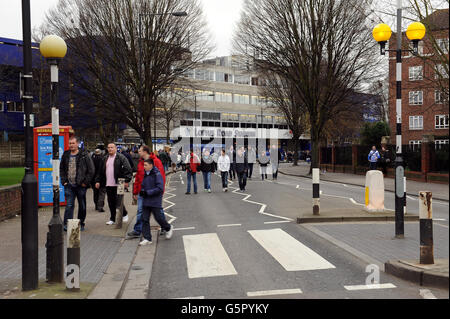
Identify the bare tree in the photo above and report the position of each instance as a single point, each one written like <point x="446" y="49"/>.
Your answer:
<point x="133" y="50"/>
<point x="323" y="47"/>
<point x="285" y="101"/>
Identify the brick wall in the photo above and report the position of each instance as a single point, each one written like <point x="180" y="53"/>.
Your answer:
<point x="10" y="201"/>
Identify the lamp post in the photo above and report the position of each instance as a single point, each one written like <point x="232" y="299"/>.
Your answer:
<point x="195" y="111"/>
<point x="175" y="14"/>
<point x="53" y="48"/>
<point x="382" y="33"/>
<point x="29" y="210"/>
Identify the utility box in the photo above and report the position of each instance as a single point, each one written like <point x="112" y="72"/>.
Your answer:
<point x="43" y="165"/>
<point x="374" y="195"/>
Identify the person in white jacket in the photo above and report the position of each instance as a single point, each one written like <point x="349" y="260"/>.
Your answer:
<point x="223" y="165"/>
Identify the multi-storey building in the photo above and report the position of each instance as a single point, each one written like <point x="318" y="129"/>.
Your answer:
<point x="425" y="111"/>
<point x="227" y="103"/>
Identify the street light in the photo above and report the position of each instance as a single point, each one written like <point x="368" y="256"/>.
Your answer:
<point x="53" y="48"/>
<point x="175" y="14"/>
<point x="195" y="114"/>
<point x="29" y="207"/>
<point x="381" y="34"/>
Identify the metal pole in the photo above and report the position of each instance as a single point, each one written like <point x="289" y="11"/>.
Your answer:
<point x="29" y="209"/>
<point x="426" y="228"/>
<point x="55" y="244"/>
<point x="119" y="210"/>
<point x="399" y="165"/>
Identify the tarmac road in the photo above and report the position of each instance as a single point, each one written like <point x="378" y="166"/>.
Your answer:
<point x="231" y="245"/>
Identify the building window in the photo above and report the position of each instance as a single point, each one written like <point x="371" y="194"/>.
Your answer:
<point x="211" y="116"/>
<point x="441" y="121"/>
<point x="230" y="117"/>
<point x="224" y="97"/>
<point x="438" y="143"/>
<point x="415" y="144"/>
<point x="241" y="79"/>
<point x="415" y="73"/>
<point x="14" y="106"/>
<point x="415" y="97"/>
<point x="441" y="72"/>
<point x="204" y="96"/>
<point x="241" y="99"/>
<point x="416" y="122"/>
<point x="443" y="45"/>
<point x="204" y="75"/>
<point x="439" y="97"/>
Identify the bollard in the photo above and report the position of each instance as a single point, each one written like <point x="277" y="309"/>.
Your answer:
<point x="119" y="210"/>
<point x="73" y="255"/>
<point x="316" y="191"/>
<point x="426" y="228"/>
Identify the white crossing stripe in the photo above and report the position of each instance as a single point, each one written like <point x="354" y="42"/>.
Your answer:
<point x="273" y="292"/>
<point x="278" y="222"/>
<point x="426" y="294"/>
<point x="198" y="297"/>
<point x="185" y="228"/>
<point x="372" y="286"/>
<point x="288" y="251"/>
<point x="206" y="257"/>
<point x="229" y="225"/>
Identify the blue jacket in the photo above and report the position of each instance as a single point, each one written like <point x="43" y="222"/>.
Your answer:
<point x="373" y="156"/>
<point x="153" y="186"/>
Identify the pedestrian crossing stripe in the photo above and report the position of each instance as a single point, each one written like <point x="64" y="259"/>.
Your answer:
<point x="206" y="257"/>
<point x="288" y="251"/>
<point x="372" y="286"/>
<point x="273" y="292"/>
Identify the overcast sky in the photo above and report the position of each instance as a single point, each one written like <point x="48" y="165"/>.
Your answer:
<point x="222" y="15"/>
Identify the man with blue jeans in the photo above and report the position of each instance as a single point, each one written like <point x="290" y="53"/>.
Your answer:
<point x="207" y="168"/>
<point x="76" y="171"/>
<point x="145" y="154"/>
<point x="192" y="164"/>
<point x="152" y="192"/>
<point x="373" y="158"/>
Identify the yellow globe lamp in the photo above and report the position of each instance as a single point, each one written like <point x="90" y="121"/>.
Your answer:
<point x="381" y="33"/>
<point x="53" y="47"/>
<point x="415" y="31"/>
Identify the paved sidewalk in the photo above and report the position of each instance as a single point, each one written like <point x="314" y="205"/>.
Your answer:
<point x="376" y="244"/>
<point x="440" y="191"/>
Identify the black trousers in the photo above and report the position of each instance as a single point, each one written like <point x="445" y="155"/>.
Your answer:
<point x="224" y="179"/>
<point x="232" y="172"/>
<point x="250" y="170"/>
<point x="111" y="191"/>
<point x="99" y="197"/>
<point x="242" y="180"/>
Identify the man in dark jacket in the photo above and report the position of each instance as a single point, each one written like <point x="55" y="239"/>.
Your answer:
<point x="114" y="166"/>
<point x="207" y="168"/>
<point x="152" y="191"/>
<point x="241" y="167"/>
<point x="99" y="194"/>
<point x="76" y="171"/>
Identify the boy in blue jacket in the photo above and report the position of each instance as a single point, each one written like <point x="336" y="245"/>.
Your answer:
<point x="152" y="191"/>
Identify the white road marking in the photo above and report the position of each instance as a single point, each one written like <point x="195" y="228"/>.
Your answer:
<point x="229" y="225"/>
<point x="198" y="297"/>
<point x="441" y="219"/>
<point x="352" y="200"/>
<point x="278" y="222"/>
<point x="181" y="180"/>
<point x="373" y="286"/>
<point x="409" y="197"/>
<point x="426" y="294"/>
<point x="206" y="257"/>
<point x="297" y="186"/>
<point x="184" y="228"/>
<point x="288" y="251"/>
<point x="345" y="185"/>
<point x="273" y="292"/>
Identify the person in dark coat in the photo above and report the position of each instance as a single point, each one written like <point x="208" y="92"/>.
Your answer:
<point x="76" y="171"/>
<point x="207" y="168"/>
<point x="385" y="159"/>
<point x="152" y="191"/>
<point x="99" y="194"/>
<point x="232" y="155"/>
<point x="241" y="168"/>
<point x="114" y="166"/>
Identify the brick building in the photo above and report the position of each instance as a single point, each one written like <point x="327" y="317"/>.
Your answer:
<point x="425" y="110"/>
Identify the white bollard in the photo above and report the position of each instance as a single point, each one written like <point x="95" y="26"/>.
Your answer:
<point x="426" y="228"/>
<point x="73" y="255"/>
<point x="316" y="190"/>
<point x="374" y="192"/>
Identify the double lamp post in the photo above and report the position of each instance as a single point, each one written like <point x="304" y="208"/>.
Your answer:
<point x="382" y="33"/>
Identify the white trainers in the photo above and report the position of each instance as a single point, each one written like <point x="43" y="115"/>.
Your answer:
<point x="110" y="222"/>
<point x="145" y="242"/>
<point x="125" y="219"/>
<point x="209" y="190"/>
<point x="169" y="233"/>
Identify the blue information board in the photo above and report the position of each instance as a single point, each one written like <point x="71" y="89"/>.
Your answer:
<point x="45" y="169"/>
